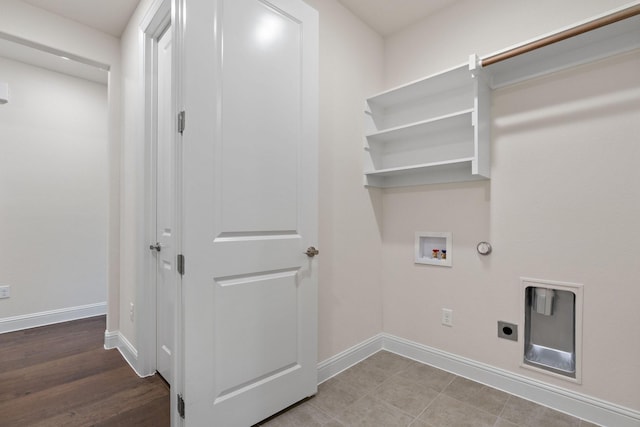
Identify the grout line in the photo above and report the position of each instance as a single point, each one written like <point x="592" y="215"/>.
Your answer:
<point x="504" y="406"/>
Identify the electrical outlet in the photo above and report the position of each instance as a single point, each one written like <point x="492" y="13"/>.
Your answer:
<point x="5" y="291"/>
<point x="447" y="317"/>
<point x="131" y="311"/>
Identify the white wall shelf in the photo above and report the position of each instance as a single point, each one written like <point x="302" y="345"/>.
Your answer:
<point x="417" y="168"/>
<point x="437" y="129"/>
<point x="412" y="130"/>
<point x="432" y="130"/>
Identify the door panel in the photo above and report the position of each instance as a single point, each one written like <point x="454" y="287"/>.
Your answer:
<point x="262" y="310"/>
<point x="250" y="203"/>
<point x="261" y="102"/>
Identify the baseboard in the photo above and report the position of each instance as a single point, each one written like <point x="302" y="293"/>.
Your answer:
<point x="567" y="401"/>
<point x="115" y="339"/>
<point x="111" y="339"/>
<point x="344" y="360"/>
<point x="44" y="318"/>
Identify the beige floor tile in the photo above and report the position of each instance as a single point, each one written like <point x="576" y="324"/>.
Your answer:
<point x="389" y="362"/>
<point x="419" y="423"/>
<point x="303" y="415"/>
<point x="551" y="418"/>
<point x="475" y="394"/>
<point x="525" y="413"/>
<point x="372" y="412"/>
<point x="504" y="423"/>
<point x="406" y="395"/>
<point x="520" y="411"/>
<point x="428" y="376"/>
<point x="446" y="412"/>
<point x="334" y="396"/>
<point x="364" y="377"/>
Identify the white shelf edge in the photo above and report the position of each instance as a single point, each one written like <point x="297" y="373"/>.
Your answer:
<point x="456" y="77"/>
<point x="387" y="171"/>
<point x="420" y="123"/>
<point x="418" y="81"/>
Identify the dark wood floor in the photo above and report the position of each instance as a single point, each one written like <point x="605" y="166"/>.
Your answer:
<point x="61" y="375"/>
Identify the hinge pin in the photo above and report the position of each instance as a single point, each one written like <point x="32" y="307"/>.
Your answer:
<point x="181" y="121"/>
<point x="181" y="264"/>
<point x="181" y="406"/>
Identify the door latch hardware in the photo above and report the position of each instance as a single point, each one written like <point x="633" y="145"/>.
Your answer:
<point x="311" y="252"/>
<point x="156" y="247"/>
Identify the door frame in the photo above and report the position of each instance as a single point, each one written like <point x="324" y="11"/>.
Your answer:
<point x="159" y="15"/>
<point x="152" y="26"/>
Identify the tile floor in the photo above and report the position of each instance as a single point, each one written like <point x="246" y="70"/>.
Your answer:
<point x="388" y="390"/>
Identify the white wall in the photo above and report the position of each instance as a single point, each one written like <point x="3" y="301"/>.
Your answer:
<point x="482" y="27"/>
<point x="132" y="233"/>
<point x="28" y="22"/>
<point x="53" y="190"/>
<point x="562" y="203"/>
<point x="351" y="64"/>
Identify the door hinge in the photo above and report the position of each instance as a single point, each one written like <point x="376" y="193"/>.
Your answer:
<point x="181" y="121"/>
<point x="181" y="406"/>
<point x="181" y="264"/>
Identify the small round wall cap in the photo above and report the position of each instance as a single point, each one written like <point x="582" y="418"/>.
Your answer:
<point x="484" y="248"/>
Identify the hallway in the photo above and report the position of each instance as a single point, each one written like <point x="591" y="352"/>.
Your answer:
<point x="61" y="375"/>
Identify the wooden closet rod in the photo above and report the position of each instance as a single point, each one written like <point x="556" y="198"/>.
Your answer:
<point x="563" y="35"/>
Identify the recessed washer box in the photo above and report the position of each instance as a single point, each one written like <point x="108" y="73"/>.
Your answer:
<point x="434" y="248"/>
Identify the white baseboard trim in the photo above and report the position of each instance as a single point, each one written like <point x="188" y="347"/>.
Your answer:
<point x="111" y="339"/>
<point x="576" y="404"/>
<point x="115" y="339"/>
<point x="346" y="359"/>
<point x="44" y="318"/>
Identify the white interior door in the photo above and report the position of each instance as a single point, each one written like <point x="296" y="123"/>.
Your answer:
<point x="250" y="209"/>
<point x="166" y="276"/>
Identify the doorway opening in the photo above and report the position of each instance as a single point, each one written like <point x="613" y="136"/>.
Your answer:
<point x="158" y="296"/>
<point x="54" y="183"/>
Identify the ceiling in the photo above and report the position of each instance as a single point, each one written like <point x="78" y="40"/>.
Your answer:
<point x="388" y="16"/>
<point x="111" y="16"/>
<point x="108" y="16"/>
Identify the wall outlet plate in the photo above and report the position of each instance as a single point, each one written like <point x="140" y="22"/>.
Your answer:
<point x="508" y="331"/>
<point x="447" y="317"/>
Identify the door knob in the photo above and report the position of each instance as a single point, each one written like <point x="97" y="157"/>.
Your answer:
<point x="156" y="247"/>
<point x="311" y="252"/>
